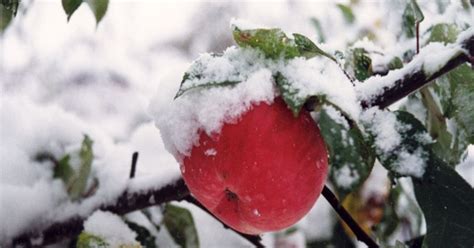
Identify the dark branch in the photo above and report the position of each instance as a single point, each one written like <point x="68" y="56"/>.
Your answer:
<point x="255" y="240"/>
<point x="347" y="218"/>
<point x="413" y="81"/>
<point x="126" y="203"/>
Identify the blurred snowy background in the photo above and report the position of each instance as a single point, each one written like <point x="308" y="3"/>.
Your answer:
<point x="61" y="79"/>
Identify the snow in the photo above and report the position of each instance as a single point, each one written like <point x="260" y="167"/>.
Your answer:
<point x="345" y="177"/>
<point x="205" y="105"/>
<point x="245" y="24"/>
<point x="110" y="228"/>
<point x="386" y="129"/>
<point x="431" y="58"/>
<point x="384" y="125"/>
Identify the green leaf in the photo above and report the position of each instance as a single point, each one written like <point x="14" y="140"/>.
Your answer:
<point x="180" y="225"/>
<point x="409" y="21"/>
<point x="467" y="5"/>
<point x="411" y="16"/>
<point x="181" y="91"/>
<point x="346" y="12"/>
<point x="308" y="49"/>
<point x="350" y="157"/>
<point x="99" y="8"/>
<point x="437" y="126"/>
<point x="70" y="6"/>
<point x="272" y="42"/>
<point x="362" y="64"/>
<point x="64" y="171"/>
<point x="456" y="93"/>
<point x="418" y="14"/>
<point x="8" y="10"/>
<point x="395" y="63"/>
<point x="86" y="156"/>
<point x="319" y="29"/>
<point x="447" y="202"/>
<point x="443" y="32"/>
<point x="290" y="94"/>
<point x="88" y="240"/>
<point x="144" y="236"/>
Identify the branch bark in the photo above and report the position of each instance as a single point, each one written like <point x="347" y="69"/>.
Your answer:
<point x="126" y="203"/>
<point x="255" y="240"/>
<point x="414" y="80"/>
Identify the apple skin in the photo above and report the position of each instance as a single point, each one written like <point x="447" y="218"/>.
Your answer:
<point x="262" y="173"/>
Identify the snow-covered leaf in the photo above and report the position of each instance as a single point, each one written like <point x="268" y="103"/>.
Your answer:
<point x="187" y="76"/>
<point x="410" y="17"/>
<point x="88" y="240"/>
<point x="443" y="32"/>
<point x="70" y="6"/>
<point x="144" y="237"/>
<point x="402" y="142"/>
<point x="361" y="64"/>
<point x="290" y="94"/>
<point x="272" y="42"/>
<point x="446" y="200"/>
<point x="99" y="8"/>
<point x="86" y="156"/>
<point x="350" y="156"/>
<point x="180" y="225"/>
<point x="308" y="49"/>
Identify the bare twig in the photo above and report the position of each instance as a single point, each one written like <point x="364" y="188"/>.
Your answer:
<point x="255" y="240"/>
<point x="134" y="164"/>
<point x="347" y="218"/>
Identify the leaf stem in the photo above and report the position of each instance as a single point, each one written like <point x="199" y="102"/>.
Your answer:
<point x="347" y="218"/>
<point x="254" y="239"/>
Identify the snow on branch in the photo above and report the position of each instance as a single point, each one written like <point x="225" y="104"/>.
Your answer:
<point x="130" y="200"/>
<point x="433" y="61"/>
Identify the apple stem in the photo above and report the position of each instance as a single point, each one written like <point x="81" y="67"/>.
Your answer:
<point x="254" y="239"/>
<point x="134" y="165"/>
<point x="347" y="218"/>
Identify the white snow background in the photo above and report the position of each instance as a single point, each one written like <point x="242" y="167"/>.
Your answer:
<point x="59" y="80"/>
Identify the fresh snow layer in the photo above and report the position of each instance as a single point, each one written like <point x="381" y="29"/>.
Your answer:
<point x="29" y="195"/>
<point x="386" y="129"/>
<point x="110" y="228"/>
<point x="206" y="105"/>
<point x="430" y="59"/>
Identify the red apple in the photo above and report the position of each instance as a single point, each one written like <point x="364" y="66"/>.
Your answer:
<point x="262" y="173"/>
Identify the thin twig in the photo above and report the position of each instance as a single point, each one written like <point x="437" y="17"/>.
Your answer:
<point x="134" y="165"/>
<point x="253" y="239"/>
<point x="347" y="218"/>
